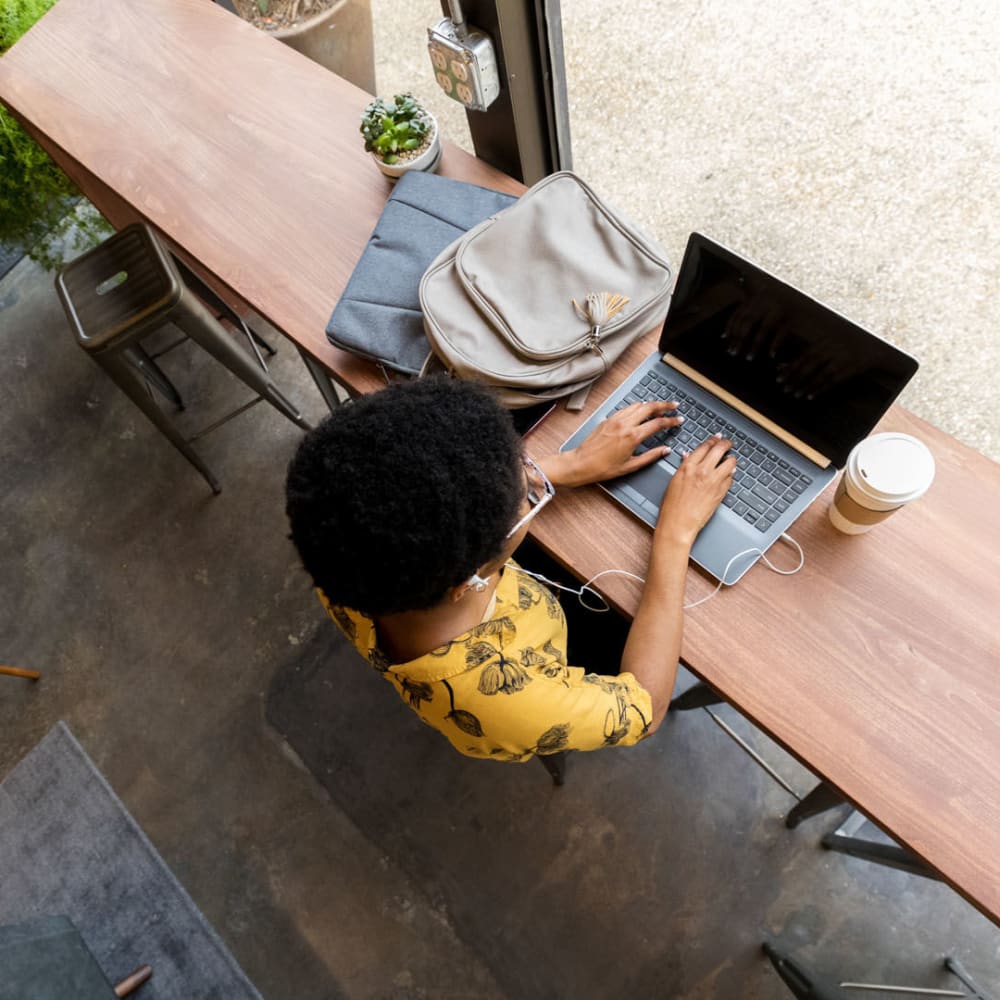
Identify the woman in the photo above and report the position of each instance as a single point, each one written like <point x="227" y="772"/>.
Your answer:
<point x="406" y="507"/>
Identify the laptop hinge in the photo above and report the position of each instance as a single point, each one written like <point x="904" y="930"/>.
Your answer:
<point x="748" y="411"/>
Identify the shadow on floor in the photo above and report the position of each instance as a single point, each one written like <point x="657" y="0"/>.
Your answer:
<point x="654" y="871"/>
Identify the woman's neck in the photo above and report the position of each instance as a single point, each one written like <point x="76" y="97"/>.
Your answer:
<point x="407" y="635"/>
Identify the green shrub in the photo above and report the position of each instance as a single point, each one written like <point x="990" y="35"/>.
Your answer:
<point x="16" y="16"/>
<point x="36" y="197"/>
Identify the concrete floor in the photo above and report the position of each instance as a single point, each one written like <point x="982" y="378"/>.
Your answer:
<point x="359" y="857"/>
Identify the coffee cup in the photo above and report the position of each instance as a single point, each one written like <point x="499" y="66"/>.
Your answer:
<point x="883" y="473"/>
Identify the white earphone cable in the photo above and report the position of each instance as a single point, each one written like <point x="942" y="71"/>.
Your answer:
<point x="632" y="576"/>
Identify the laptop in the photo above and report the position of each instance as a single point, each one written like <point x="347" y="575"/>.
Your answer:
<point x="793" y="384"/>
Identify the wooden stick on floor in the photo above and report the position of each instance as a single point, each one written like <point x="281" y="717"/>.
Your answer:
<point x="133" y="980"/>
<point x="32" y="675"/>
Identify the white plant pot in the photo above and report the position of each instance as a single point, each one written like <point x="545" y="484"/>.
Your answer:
<point x="428" y="160"/>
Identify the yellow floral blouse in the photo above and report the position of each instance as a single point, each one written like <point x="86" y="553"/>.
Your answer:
<point x="503" y="689"/>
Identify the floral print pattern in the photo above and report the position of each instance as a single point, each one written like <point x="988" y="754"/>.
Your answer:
<point x="503" y="690"/>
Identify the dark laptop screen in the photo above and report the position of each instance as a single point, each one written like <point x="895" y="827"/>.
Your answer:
<point x="812" y="372"/>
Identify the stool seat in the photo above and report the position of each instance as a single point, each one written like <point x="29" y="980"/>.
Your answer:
<point x="125" y="289"/>
<point x="127" y="286"/>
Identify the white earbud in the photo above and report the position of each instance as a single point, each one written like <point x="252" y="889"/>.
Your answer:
<point x="476" y="582"/>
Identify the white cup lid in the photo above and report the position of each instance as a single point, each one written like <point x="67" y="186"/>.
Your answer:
<point x="892" y="467"/>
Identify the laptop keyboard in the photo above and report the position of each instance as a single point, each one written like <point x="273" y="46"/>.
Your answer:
<point x="764" y="485"/>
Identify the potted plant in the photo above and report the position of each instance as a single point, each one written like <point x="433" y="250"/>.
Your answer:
<point x="37" y="200"/>
<point x="401" y="136"/>
<point x="336" y="34"/>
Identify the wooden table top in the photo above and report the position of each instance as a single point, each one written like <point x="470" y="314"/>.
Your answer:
<point x="242" y="151"/>
<point x="878" y="665"/>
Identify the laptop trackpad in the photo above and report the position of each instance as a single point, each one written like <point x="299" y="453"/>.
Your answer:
<point x="648" y="484"/>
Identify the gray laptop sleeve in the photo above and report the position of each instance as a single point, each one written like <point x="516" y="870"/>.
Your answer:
<point x="378" y="315"/>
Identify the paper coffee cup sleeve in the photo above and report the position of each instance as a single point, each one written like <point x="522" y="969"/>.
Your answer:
<point x="850" y="509"/>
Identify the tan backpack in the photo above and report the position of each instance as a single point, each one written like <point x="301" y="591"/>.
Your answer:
<point x="538" y="301"/>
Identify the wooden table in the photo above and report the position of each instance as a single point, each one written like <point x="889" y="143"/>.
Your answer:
<point x="245" y="154"/>
<point x="878" y="665"/>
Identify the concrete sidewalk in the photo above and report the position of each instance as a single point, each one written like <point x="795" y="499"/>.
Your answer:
<point x="852" y="149"/>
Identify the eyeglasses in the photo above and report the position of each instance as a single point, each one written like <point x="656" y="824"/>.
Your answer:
<point x="540" y="492"/>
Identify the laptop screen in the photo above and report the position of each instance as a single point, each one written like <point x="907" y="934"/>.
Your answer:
<point x="813" y="372"/>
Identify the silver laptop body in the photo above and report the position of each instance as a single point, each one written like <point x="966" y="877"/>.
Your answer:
<point x="793" y="384"/>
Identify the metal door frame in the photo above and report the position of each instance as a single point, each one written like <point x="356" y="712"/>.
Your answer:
<point x="525" y="132"/>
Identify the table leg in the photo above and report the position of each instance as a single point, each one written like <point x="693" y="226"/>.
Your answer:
<point x="698" y="696"/>
<point x="891" y="855"/>
<point x="330" y="389"/>
<point x="820" y="799"/>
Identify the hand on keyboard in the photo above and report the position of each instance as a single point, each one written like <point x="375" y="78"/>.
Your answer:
<point x="610" y="449"/>
<point x="696" y="490"/>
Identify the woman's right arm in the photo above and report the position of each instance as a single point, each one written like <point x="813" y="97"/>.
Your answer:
<point x="653" y="647"/>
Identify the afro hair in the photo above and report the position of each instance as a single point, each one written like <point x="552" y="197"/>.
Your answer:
<point x="404" y="493"/>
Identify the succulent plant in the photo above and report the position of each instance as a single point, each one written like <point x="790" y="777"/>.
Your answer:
<point x="390" y="129"/>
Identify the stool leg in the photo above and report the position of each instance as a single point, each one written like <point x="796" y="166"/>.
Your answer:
<point x="143" y="361"/>
<point x="202" y="327"/>
<point x="954" y="966"/>
<point x="221" y="307"/>
<point x="802" y="982"/>
<point x="120" y="372"/>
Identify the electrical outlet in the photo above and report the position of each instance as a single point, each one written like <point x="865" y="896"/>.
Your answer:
<point x="465" y="65"/>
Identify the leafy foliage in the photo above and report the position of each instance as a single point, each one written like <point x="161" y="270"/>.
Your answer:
<point x="389" y="129"/>
<point x="36" y="197"/>
<point x="16" y="16"/>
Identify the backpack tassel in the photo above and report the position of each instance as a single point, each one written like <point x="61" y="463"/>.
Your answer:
<point x="598" y="309"/>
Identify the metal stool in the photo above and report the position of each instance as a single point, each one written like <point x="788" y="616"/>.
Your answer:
<point x="806" y="985"/>
<point x="124" y="290"/>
